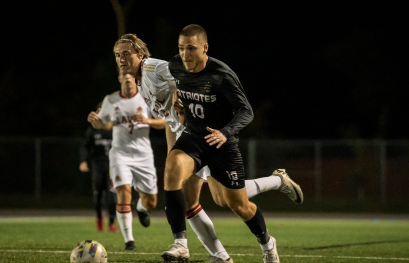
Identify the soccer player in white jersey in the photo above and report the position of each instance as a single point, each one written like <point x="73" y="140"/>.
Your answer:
<point x="131" y="156"/>
<point x="158" y="87"/>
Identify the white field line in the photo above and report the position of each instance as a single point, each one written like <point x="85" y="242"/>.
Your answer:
<point x="203" y="254"/>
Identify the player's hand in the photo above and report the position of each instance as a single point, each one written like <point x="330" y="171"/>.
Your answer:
<point x="141" y="119"/>
<point x="178" y="106"/>
<point x="215" y="137"/>
<point x="93" y="116"/>
<point x="84" y="167"/>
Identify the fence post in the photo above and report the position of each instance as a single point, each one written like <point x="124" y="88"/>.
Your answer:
<point x="37" y="175"/>
<point x="382" y="164"/>
<point x="252" y="145"/>
<point x="318" y="170"/>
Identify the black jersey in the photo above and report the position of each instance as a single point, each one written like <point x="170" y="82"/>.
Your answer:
<point x="96" y="145"/>
<point x="213" y="97"/>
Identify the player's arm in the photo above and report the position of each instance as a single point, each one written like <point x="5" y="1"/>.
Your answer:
<point x="97" y="123"/>
<point x="157" y="123"/>
<point x="85" y="150"/>
<point x="178" y="106"/>
<point x="170" y="138"/>
<point x="243" y="113"/>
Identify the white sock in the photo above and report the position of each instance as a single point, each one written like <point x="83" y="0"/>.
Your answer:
<point x="268" y="246"/>
<point x="182" y="241"/>
<point x="140" y="207"/>
<point x="263" y="184"/>
<point x="203" y="226"/>
<point x="125" y="223"/>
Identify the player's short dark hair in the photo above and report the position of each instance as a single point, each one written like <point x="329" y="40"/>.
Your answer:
<point x="194" y="30"/>
<point x="137" y="44"/>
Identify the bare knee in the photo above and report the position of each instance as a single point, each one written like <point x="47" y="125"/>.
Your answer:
<point x="149" y="201"/>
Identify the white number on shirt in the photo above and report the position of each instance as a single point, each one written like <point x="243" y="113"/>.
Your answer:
<point x="197" y="110"/>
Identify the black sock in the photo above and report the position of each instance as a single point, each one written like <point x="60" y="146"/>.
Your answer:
<point x="258" y="227"/>
<point x="175" y="209"/>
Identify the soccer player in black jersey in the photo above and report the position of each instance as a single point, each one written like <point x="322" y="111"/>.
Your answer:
<point x="216" y="108"/>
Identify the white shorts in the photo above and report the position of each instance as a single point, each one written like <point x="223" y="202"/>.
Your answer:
<point x="205" y="171"/>
<point x="136" y="170"/>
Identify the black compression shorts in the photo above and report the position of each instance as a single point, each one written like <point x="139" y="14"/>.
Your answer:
<point x="225" y="163"/>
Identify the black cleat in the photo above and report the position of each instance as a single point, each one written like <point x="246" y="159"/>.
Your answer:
<point x="130" y="245"/>
<point x="144" y="218"/>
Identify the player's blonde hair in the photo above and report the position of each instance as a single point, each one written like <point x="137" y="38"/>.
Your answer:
<point x="139" y="46"/>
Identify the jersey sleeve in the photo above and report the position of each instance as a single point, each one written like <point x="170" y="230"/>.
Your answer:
<point x="106" y="110"/>
<point x="162" y="72"/>
<point x="242" y="111"/>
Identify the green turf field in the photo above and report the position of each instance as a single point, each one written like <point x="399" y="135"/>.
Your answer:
<point x="51" y="239"/>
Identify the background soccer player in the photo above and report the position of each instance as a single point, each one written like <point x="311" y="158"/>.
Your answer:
<point x="94" y="151"/>
<point x="131" y="156"/>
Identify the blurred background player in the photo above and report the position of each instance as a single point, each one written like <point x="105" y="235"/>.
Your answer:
<point x="131" y="156"/>
<point x="95" y="150"/>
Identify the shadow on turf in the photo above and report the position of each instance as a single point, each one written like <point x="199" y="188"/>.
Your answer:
<point x="355" y="244"/>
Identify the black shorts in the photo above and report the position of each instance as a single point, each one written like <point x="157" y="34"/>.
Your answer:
<point x="225" y="163"/>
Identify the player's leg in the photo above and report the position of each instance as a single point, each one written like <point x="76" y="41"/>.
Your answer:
<point x="145" y="203"/>
<point x="122" y="179"/>
<point x="111" y="203"/>
<point x="97" y="193"/>
<point x="227" y="168"/>
<point x="279" y="180"/>
<point x="238" y="202"/>
<point x="145" y="183"/>
<point x="179" y="167"/>
<point x="110" y="197"/>
<point x="200" y="221"/>
<point x="124" y="214"/>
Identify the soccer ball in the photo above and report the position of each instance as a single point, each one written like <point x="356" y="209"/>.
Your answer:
<point x="89" y="251"/>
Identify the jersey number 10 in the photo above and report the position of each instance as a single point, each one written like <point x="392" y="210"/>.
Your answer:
<point x="197" y="110"/>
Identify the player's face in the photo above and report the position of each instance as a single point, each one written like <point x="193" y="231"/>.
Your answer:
<point x="193" y="53"/>
<point x="127" y="59"/>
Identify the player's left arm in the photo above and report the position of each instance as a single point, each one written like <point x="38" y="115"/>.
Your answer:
<point x="243" y="113"/>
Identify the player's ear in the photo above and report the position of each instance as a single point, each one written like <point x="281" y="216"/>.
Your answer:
<point x="206" y="47"/>
<point x="119" y="78"/>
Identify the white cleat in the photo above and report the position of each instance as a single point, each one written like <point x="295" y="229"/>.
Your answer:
<point x="289" y="187"/>
<point x="214" y="259"/>
<point x="177" y="252"/>
<point x="271" y="256"/>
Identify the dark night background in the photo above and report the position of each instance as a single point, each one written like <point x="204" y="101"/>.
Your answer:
<point x="315" y="71"/>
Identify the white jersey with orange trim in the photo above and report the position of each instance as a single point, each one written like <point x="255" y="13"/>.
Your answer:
<point x="157" y="88"/>
<point x="129" y="137"/>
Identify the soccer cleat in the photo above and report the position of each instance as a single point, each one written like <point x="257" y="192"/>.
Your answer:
<point x="214" y="259"/>
<point x="289" y="187"/>
<point x="130" y="245"/>
<point x="144" y="218"/>
<point x="100" y="224"/>
<point x="271" y="256"/>
<point x="112" y="228"/>
<point x="177" y="253"/>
